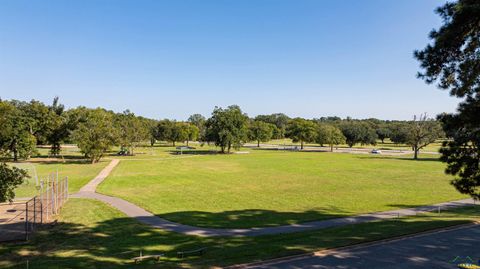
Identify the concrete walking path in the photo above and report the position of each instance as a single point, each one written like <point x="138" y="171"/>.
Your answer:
<point x="140" y="214"/>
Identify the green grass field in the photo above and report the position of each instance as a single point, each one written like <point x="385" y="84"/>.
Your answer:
<point x="268" y="188"/>
<point x="91" y="234"/>
<point x="78" y="173"/>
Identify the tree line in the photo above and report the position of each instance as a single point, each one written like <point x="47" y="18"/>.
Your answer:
<point x="95" y="131"/>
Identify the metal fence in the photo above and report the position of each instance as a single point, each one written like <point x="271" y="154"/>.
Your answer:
<point x="20" y="220"/>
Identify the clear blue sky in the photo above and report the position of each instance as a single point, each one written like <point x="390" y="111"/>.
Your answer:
<point x="170" y="59"/>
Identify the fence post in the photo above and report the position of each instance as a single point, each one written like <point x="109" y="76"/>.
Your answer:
<point x="26" y="221"/>
<point x="34" y="211"/>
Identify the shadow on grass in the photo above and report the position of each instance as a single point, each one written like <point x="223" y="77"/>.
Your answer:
<point x="112" y="244"/>
<point x="251" y="217"/>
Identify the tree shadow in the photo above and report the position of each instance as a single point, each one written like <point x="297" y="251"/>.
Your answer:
<point x="249" y="218"/>
<point x="113" y="243"/>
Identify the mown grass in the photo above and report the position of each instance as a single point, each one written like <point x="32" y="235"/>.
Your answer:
<point x="269" y="188"/>
<point x="79" y="172"/>
<point x="91" y="234"/>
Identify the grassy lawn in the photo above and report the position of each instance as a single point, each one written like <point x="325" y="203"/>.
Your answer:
<point x="91" y="234"/>
<point x="268" y="188"/>
<point x="79" y="173"/>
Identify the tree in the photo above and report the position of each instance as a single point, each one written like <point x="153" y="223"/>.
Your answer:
<point x="164" y="130"/>
<point x="95" y="134"/>
<point x="59" y="128"/>
<point x="199" y="121"/>
<point x="280" y="120"/>
<point x="15" y="136"/>
<point x="10" y="178"/>
<point x="260" y="131"/>
<point x="329" y="134"/>
<point x="399" y="133"/>
<point x="452" y="61"/>
<point x="192" y="132"/>
<point x="358" y="132"/>
<point x="301" y="130"/>
<point x="131" y="131"/>
<point x="227" y="127"/>
<point x="383" y="132"/>
<point x="422" y="132"/>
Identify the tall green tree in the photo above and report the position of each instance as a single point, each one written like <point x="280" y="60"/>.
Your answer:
<point x="131" y="131"/>
<point x="452" y="61"/>
<point x="260" y="131"/>
<point x="10" y="178"/>
<point x="301" y="130"/>
<point x="280" y="120"/>
<point x="330" y="135"/>
<point x="192" y="132"/>
<point x="358" y="132"/>
<point x="199" y="121"/>
<point x="227" y="128"/>
<point x="59" y="129"/>
<point x="95" y="134"/>
<point x="16" y="139"/>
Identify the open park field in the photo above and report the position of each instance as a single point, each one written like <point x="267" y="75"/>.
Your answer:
<point x="269" y="188"/>
<point x="253" y="189"/>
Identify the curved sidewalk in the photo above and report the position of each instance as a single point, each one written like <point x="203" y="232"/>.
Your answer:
<point x="134" y="211"/>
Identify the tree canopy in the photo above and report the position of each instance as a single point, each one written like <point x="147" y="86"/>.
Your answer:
<point x="10" y="178"/>
<point x="301" y="130"/>
<point x="452" y="61"/>
<point x="227" y="127"/>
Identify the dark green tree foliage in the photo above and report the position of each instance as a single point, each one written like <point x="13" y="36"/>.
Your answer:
<point x="227" y="128"/>
<point x="452" y="61"/>
<point x="330" y="135"/>
<point x="172" y="131"/>
<point x="260" y="131"/>
<point x="59" y="128"/>
<point x="280" y="120"/>
<point x="399" y="132"/>
<point x="301" y="130"/>
<point x="358" y="132"/>
<point x="95" y="134"/>
<point x="16" y="139"/>
<point x="131" y="131"/>
<point x="462" y="153"/>
<point x="10" y="178"/>
<point x="383" y="132"/>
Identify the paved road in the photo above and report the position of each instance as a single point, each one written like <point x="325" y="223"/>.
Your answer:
<point x="436" y="250"/>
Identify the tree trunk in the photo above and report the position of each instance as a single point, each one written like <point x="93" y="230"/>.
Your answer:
<point x="187" y="142"/>
<point x="301" y="144"/>
<point x="229" y="146"/>
<point x="15" y="151"/>
<point x="258" y="143"/>
<point x="415" y="153"/>
<point x="173" y="143"/>
<point x="331" y="147"/>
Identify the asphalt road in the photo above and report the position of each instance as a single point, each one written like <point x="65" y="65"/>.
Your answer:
<point x="436" y="250"/>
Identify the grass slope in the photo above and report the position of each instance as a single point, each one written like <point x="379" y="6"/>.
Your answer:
<point x="268" y="188"/>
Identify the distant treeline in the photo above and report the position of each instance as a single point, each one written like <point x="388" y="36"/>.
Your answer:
<point x="24" y="125"/>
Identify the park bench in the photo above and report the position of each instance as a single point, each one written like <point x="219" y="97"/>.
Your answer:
<point x="147" y="257"/>
<point x="195" y="252"/>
